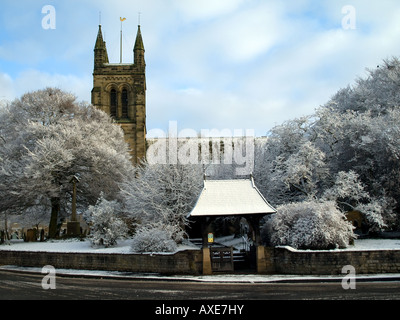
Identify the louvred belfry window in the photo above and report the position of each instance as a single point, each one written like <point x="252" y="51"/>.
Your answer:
<point x="124" y="99"/>
<point x="113" y="103"/>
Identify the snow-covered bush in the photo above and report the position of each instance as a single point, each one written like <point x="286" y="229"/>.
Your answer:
<point x="106" y="228"/>
<point x="309" y="225"/>
<point x="152" y="240"/>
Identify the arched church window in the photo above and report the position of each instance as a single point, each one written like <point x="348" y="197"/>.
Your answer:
<point x="124" y="99"/>
<point x="113" y="103"/>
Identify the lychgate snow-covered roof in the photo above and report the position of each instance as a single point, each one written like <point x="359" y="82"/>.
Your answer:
<point x="230" y="197"/>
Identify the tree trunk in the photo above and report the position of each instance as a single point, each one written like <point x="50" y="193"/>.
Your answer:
<point x="55" y="209"/>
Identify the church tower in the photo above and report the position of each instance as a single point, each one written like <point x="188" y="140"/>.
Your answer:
<point x="119" y="89"/>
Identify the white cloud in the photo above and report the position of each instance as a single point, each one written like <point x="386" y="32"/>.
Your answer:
<point x="6" y="87"/>
<point x="31" y="80"/>
<point x="246" y="35"/>
<point x="194" y="10"/>
<point x="234" y="64"/>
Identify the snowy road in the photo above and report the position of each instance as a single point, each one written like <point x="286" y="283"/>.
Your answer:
<point x="15" y="286"/>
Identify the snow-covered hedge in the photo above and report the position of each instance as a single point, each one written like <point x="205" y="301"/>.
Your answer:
<point x="152" y="240"/>
<point x="309" y="225"/>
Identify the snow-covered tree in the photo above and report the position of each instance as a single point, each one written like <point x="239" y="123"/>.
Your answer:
<point x="106" y="227"/>
<point x="358" y="130"/>
<point x="47" y="138"/>
<point x="363" y="143"/>
<point x="377" y="93"/>
<point x="347" y="190"/>
<point x="289" y="167"/>
<point x="350" y="194"/>
<point x="162" y="195"/>
<point x="355" y="132"/>
<point x="304" y="170"/>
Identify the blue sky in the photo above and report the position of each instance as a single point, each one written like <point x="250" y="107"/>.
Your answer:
<point x="223" y="64"/>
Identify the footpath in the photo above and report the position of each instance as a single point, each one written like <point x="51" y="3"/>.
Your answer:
<point x="218" y="278"/>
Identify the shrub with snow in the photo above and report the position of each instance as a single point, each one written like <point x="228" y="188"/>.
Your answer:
<point x="309" y="225"/>
<point x="106" y="228"/>
<point x="152" y="240"/>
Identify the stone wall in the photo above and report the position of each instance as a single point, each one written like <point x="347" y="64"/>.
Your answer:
<point x="286" y="261"/>
<point x="274" y="261"/>
<point x="182" y="262"/>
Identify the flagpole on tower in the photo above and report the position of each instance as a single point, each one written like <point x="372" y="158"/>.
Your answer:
<point x="120" y="55"/>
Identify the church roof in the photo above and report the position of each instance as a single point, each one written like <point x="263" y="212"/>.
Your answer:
<point x="230" y="197"/>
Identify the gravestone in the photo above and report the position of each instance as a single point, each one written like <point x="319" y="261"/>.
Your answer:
<point x="30" y="235"/>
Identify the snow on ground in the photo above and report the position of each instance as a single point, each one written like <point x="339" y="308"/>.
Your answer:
<point x="124" y="246"/>
<point x="362" y="245"/>
<point x="375" y="244"/>
<point x="73" y="245"/>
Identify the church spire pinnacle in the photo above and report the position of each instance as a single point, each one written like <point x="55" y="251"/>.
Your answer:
<point x="99" y="40"/>
<point x="138" y="50"/>
<point x="139" y="40"/>
<point x="100" y="50"/>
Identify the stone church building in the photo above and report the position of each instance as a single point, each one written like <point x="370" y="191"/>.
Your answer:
<point x="119" y="89"/>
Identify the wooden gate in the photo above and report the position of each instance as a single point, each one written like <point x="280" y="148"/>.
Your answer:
<point x="222" y="259"/>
